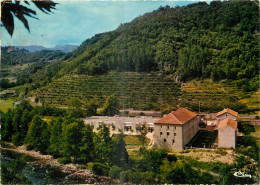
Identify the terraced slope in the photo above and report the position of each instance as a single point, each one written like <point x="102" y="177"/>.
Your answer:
<point x="213" y="96"/>
<point x="134" y="90"/>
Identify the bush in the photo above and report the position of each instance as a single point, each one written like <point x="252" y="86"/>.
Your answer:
<point x="114" y="172"/>
<point x="64" y="160"/>
<point x="171" y="158"/>
<point x="100" y="169"/>
<point x="124" y="176"/>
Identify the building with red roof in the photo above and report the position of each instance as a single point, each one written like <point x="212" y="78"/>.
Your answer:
<point x="227" y="113"/>
<point x="176" y="129"/>
<point x="227" y="132"/>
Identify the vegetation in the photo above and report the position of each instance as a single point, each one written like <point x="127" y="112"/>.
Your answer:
<point x="216" y="40"/>
<point x="69" y="139"/>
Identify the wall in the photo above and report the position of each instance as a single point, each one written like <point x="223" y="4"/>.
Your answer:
<point x="226" y="137"/>
<point x="171" y="129"/>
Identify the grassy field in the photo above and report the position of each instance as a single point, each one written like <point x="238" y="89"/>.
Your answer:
<point x="5" y="104"/>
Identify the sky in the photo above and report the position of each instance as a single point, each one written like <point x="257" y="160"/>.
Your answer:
<point x="74" y="21"/>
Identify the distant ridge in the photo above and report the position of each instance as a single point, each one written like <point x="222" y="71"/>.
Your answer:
<point x="64" y="48"/>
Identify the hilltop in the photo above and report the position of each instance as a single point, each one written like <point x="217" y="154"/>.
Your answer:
<point x="217" y="41"/>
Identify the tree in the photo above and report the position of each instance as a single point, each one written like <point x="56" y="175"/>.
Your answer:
<point x="75" y="108"/>
<point x="56" y="138"/>
<point x="87" y="149"/>
<point x="8" y="7"/>
<point x="111" y="107"/>
<point x="38" y="135"/>
<point x="7" y="125"/>
<point x="72" y="140"/>
<point x="142" y="129"/>
<point x="103" y="146"/>
<point x="91" y="109"/>
<point x="120" y="155"/>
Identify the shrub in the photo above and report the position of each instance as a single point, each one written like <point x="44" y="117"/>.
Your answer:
<point x="64" y="160"/>
<point x="100" y="169"/>
<point x="171" y="158"/>
<point x="114" y="172"/>
<point x="124" y="176"/>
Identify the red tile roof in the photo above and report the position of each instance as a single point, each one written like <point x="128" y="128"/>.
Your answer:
<point x="180" y="116"/>
<point x="234" y="113"/>
<point x="227" y="122"/>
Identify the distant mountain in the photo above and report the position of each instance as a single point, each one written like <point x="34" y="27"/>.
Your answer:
<point x="64" y="48"/>
<point x="31" y="48"/>
<point x="13" y="56"/>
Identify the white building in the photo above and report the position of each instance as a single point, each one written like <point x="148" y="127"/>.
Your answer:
<point x="126" y="124"/>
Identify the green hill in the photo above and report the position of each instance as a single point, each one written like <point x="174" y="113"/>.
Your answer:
<point x="217" y="41"/>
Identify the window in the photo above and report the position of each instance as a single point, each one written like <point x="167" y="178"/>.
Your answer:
<point x="128" y="128"/>
<point x="160" y="133"/>
<point x="168" y="133"/>
<point x="164" y="140"/>
<point x="173" y="141"/>
<point x="175" y="134"/>
<point x="168" y="127"/>
<point x="161" y="126"/>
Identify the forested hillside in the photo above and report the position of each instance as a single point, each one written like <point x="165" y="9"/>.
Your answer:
<point x="14" y="56"/>
<point x="217" y="40"/>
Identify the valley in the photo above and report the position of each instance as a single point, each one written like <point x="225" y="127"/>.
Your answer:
<point x="171" y="97"/>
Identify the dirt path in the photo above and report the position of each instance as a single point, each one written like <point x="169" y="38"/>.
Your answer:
<point x="73" y="173"/>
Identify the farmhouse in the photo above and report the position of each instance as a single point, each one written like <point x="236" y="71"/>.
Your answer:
<point x="176" y="129"/>
<point x="227" y="131"/>
<point x="126" y="124"/>
<point x="227" y="113"/>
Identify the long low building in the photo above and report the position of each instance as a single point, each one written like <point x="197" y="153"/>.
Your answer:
<point x="126" y="124"/>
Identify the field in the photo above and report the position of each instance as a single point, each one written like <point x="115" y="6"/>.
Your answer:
<point x="141" y="91"/>
<point x="253" y="101"/>
<point x="134" y="90"/>
<point x="5" y="104"/>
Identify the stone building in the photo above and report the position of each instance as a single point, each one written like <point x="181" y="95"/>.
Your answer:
<point x="227" y="113"/>
<point x="227" y="132"/>
<point x="176" y="129"/>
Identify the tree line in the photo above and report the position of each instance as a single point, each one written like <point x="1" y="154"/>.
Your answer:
<point x="216" y="40"/>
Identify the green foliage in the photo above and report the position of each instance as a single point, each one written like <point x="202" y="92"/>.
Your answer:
<point x="143" y="130"/>
<point x="49" y="111"/>
<point x="246" y="128"/>
<point x="91" y="109"/>
<point x="111" y="107"/>
<point x="87" y="148"/>
<point x="247" y="145"/>
<point x="6" y="125"/>
<point x="103" y="145"/>
<point x="56" y="138"/>
<point x="199" y="40"/>
<point x="100" y="169"/>
<point x="64" y="160"/>
<point x="119" y="153"/>
<point x="72" y="140"/>
<point x="114" y="172"/>
<point x="38" y="135"/>
<point x="131" y="89"/>
<point x="154" y="158"/>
